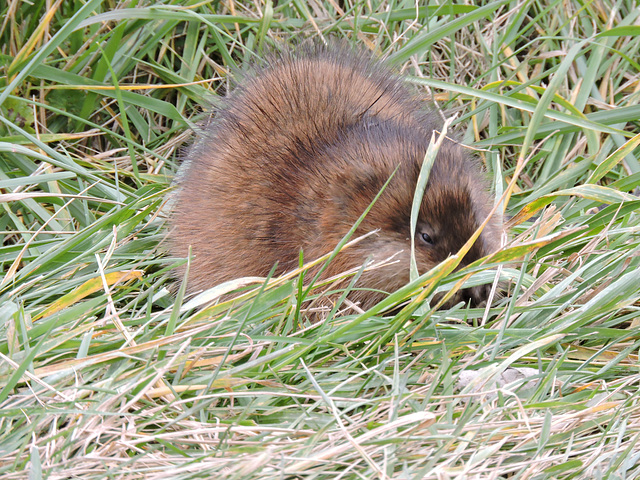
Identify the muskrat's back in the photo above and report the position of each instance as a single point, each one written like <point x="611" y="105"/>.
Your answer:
<point x="297" y="152"/>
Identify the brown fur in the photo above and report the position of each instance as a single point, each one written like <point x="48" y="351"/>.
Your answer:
<point x="297" y="152"/>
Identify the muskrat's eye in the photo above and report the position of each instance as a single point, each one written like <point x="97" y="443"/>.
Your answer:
<point x="426" y="238"/>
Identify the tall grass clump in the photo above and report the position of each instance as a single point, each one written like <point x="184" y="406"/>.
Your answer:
<point x="108" y="371"/>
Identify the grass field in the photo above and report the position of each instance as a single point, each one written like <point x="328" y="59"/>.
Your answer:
<point x="106" y="370"/>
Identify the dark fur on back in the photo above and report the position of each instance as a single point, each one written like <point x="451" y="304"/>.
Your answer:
<point x="297" y="152"/>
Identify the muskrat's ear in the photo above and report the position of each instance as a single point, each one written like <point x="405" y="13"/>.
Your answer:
<point x="369" y="122"/>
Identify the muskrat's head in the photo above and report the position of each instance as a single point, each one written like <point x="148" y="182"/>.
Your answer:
<point x="455" y="203"/>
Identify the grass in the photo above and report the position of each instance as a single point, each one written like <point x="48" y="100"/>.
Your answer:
<point x="104" y="373"/>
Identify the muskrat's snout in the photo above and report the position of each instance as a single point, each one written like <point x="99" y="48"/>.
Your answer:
<point x="476" y="296"/>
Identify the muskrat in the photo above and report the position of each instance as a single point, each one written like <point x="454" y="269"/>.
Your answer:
<point x="295" y="154"/>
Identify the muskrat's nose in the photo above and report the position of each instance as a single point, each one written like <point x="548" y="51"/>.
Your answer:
<point x="477" y="296"/>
